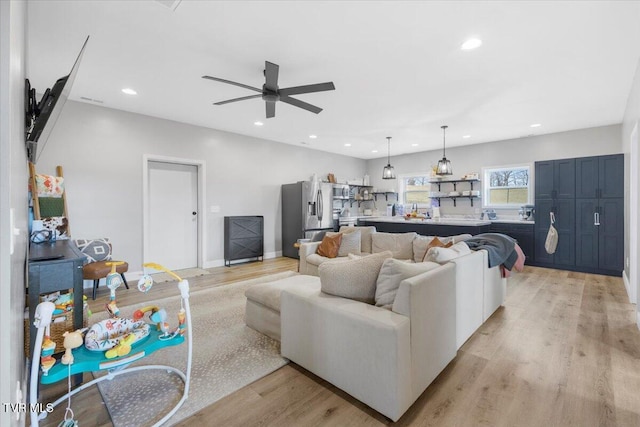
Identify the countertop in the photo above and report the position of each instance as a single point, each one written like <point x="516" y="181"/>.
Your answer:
<point x="444" y="221"/>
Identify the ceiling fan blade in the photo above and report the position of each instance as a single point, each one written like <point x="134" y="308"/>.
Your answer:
<point x="271" y="109"/>
<point x="300" y="104"/>
<point x="237" y="99"/>
<point x="217" y="79"/>
<point x="320" y="87"/>
<point x="271" y="75"/>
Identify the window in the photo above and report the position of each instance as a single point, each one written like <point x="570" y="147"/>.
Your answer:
<point x="415" y="188"/>
<point x="507" y="187"/>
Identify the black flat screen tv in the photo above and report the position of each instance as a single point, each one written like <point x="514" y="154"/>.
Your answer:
<point x="42" y="116"/>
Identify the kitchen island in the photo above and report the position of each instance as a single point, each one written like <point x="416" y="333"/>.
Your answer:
<point x="427" y="227"/>
<point x="520" y="230"/>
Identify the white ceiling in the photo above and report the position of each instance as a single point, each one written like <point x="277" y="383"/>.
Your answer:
<point x="397" y="66"/>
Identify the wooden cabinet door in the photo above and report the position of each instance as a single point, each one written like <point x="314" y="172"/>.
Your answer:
<point x="611" y="234"/>
<point x="564" y="178"/>
<point x="587" y="177"/>
<point x="565" y="212"/>
<point x="541" y="228"/>
<point x="544" y="180"/>
<point x="611" y="176"/>
<point x="587" y="231"/>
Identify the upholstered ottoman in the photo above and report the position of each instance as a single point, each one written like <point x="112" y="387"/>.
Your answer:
<point x="262" y="312"/>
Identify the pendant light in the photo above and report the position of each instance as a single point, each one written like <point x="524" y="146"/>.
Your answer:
<point x="388" y="172"/>
<point x="444" y="165"/>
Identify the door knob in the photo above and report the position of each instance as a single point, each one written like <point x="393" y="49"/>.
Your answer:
<point x="194" y="213"/>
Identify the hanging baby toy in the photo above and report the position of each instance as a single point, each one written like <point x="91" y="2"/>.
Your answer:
<point x="159" y="316"/>
<point x="114" y="280"/>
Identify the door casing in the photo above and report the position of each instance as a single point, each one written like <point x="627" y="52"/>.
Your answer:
<point x="201" y="171"/>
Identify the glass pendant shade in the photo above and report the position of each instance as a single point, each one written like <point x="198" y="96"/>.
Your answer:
<point x="388" y="172"/>
<point x="444" y="165"/>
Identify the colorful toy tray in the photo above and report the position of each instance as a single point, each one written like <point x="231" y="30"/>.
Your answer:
<point x="89" y="361"/>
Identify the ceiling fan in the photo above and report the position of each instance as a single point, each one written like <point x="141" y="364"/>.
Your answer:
<point x="271" y="93"/>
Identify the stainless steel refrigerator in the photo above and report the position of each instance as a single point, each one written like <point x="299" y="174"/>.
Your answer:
<point x="306" y="213"/>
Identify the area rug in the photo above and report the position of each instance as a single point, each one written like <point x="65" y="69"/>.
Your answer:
<point x="227" y="355"/>
<point x="185" y="273"/>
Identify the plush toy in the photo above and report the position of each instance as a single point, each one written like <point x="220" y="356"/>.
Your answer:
<point x="71" y="340"/>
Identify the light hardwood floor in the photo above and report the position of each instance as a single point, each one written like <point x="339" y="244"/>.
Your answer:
<point x="563" y="351"/>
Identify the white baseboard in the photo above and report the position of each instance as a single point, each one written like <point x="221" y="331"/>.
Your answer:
<point x="220" y="262"/>
<point x="627" y="285"/>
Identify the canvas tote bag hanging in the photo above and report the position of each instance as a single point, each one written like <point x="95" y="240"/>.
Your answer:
<point x="552" y="236"/>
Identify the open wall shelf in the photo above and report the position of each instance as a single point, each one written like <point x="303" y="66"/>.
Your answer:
<point x="455" y="184"/>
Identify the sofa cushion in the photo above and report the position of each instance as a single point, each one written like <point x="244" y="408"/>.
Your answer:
<point x="330" y="245"/>
<point x="442" y="255"/>
<point x="268" y="294"/>
<point x="350" y="243"/>
<point x="436" y="243"/>
<point x="393" y="272"/>
<point x="421" y="244"/>
<point x="400" y="244"/>
<point x="354" y="279"/>
<point x="365" y="233"/>
<point x="315" y="259"/>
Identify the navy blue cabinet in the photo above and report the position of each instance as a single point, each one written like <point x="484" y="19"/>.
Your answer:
<point x="555" y="192"/>
<point x="523" y="233"/>
<point x="600" y="177"/>
<point x="600" y="234"/>
<point x="589" y="213"/>
<point x="600" y="213"/>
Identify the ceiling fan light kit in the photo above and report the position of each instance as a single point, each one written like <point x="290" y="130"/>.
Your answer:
<point x="271" y="93"/>
<point x="444" y="165"/>
<point x="388" y="172"/>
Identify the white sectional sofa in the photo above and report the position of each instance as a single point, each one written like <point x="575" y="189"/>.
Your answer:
<point x="383" y="356"/>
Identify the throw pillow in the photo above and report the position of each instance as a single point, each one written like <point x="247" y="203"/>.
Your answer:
<point x="443" y="255"/>
<point x="353" y="279"/>
<point x="420" y="246"/>
<point x="49" y="186"/>
<point x="393" y="272"/>
<point x="435" y="243"/>
<point x="365" y="232"/>
<point x="400" y="244"/>
<point x="95" y="249"/>
<point x="350" y="243"/>
<point x="59" y="225"/>
<point x="330" y="245"/>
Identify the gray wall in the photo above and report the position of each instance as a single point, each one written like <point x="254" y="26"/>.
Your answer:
<point x="472" y="158"/>
<point x="13" y="198"/>
<point x="631" y="119"/>
<point x="101" y="151"/>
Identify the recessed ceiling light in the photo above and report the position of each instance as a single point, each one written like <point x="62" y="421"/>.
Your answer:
<point x="347" y="145"/>
<point x="258" y="123"/>
<point x="414" y="145"/>
<point x="313" y="136"/>
<point x="374" y="151"/>
<point x="471" y="43"/>
<point x="466" y="136"/>
<point x="129" y="91"/>
<point x="536" y="125"/>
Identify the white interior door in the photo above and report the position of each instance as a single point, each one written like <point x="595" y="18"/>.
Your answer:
<point x="173" y="215"/>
